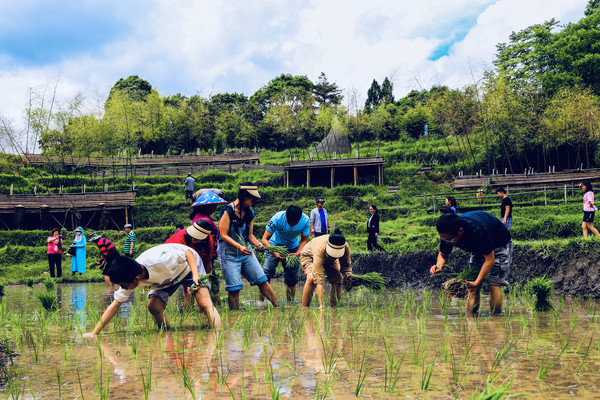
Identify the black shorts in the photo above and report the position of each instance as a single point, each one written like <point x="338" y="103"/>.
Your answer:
<point x="189" y="194"/>
<point x="588" y="216"/>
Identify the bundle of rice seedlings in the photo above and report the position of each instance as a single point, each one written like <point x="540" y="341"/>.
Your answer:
<point x="49" y="283"/>
<point x="48" y="299"/>
<point x="541" y="289"/>
<point x="290" y="261"/>
<point x="29" y="282"/>
<point x="1" y="288"/>
<point x="458" y="287"/>
<point x="370" y="280"/>
<point x="202" y="281"/>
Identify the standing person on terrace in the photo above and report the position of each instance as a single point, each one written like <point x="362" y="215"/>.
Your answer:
<point x="197" y="236"/>
<point x="236" y="257"/>
<point x="189" y="188"/>
<point x="506" y="208"/>
<point x="373" y="229"/>
<point x="325" y="255"/>
<point x="163" y="269"/>
<point x="319" y="219"/>
<point x="451" y="204"/>
<point x="589" y="209"/>
<point x="129" y="246"/>
<point x="55" y="252"/>
<point x="108" y="252"/>
<point x="491" y="247"/>
<point x="283" y="230"/>
<point x="78" y="260"/>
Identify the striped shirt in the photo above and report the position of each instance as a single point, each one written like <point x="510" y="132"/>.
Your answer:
<point x="107" y="250"/>
<point x="130" y="243"/>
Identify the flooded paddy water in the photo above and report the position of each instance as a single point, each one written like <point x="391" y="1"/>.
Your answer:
<point x="396" y="344"/>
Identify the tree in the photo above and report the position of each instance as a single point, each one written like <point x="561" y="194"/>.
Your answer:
<point x="373" y="96"/>
<point x="137" y="89"/>
<point x="327" y="93"/>
<point x="292" y="89"/>
<point x="387" y="91"/>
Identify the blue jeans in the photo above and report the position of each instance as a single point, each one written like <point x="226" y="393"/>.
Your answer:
<point x="235" y="264"/>
<point x="290" y="275"/>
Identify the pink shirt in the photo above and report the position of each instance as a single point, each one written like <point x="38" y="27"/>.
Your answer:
<point x="587" y="197"/>
<point x="51" y="245"/>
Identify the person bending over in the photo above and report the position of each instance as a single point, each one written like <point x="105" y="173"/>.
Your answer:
<point x="163" y="269"/>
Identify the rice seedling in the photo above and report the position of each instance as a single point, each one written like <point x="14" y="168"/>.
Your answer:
<point x="509" y="343"/>
<point x="147" y="379"/>
<point x="547" y="365"/>
<point x="1" y="289"/>
<point x="59" y="381"/>
<point x="426" y="372"/>
<point x="329" y="356"/>
<point x="491" y="393"/>
<point x="584" y="358"/>
<point x="457" y="286"/>
<point x="29" y="282"/>
<point x="418" y="351"/>
<point x="391" y="374"/>
<point x="49" y="283"/>
<point x="48" y="300"/>
<point x="362" y="373"/>
<point x="371" y="280"/>
<point x="541" y="289"/>
<point x="326" y="388"/>
<point x="101" y="380"/>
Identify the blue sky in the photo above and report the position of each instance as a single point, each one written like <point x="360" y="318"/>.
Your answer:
<point x="205" y="47"/>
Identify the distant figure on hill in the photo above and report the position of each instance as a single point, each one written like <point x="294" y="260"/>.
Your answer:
<point x="189" y="188"/>
<point x="491" y="248"/>
<point x="129" y="246"/>
<point x="589" y="209"/>
<point x="451" y="204"/>
<point x="283" y="229"/>
<point x="373" y="229"/>
<point x="480" y="195"/>
<point x="506" y="208"/>
<point x="319" y="219"/>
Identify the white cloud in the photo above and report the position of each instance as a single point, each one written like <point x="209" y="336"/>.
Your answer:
<point x="207" y="47"/>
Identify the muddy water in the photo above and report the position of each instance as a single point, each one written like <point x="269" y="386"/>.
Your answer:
<point x="395" y="345"/>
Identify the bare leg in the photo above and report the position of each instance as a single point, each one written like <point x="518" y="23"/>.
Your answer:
<point x="307" y="292"/>
<point x="187" y="298"/>
<point x="473" y="300"/>
<point x="267" y="291"/>
<point x="205" y="304"/>
<point x="585" y="229"/>
<point x="290" y="292"/>
<point x="157" y="309"/>
<point x="233" y="299"/>
<point x="590" y="226"/>
<point x="496" y="298"/>
<point x="336" y="291"/>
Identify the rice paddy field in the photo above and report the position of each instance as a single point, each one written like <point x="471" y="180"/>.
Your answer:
<point x="378" y="345"/>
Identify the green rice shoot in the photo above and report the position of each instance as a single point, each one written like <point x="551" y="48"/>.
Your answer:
<point x="541" y="289"/>
<point x="48" y="299"/>
<point x="370" y="280"/>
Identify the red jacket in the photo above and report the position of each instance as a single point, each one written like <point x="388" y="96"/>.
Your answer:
<point x="203" y="248"/>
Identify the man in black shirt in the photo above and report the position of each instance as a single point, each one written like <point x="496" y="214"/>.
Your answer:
<point x="505" y="208"/>
<point x="491" y="248"/>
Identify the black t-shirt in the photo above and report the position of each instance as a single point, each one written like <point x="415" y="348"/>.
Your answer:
<point x="483" y="233"/>
<point x="506" y="202"/>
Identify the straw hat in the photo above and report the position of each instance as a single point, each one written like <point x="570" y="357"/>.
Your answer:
<point x="253" y="190"/>
<point x="199" y="230"/>
<point x="336" y="245"/>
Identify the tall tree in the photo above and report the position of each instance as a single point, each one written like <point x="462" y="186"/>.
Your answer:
<point x="387" y="91"/>
<point x="327" y="93"/>
<point x="373" y="96"/>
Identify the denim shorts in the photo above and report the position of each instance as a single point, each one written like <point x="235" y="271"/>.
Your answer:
<point x="167" y="292"/>
<point x="501" y="270"/>
<point x="290" y="275"/>
<point x="235" y="264"/>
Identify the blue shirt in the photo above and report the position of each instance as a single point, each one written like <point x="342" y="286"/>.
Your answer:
<point x="316" y="219"/>
<point x="284" y="234"/>
<point x="483" y="233"/>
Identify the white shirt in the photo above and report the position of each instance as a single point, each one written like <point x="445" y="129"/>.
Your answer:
<point x="166" y="265"/>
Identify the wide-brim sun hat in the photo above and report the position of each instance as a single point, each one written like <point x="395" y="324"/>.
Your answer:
<point x="199" y="230"/>
<point x="128" y="226"/>
<point x="208" y="198"/>
<point x="93" y="237"/>
<point x="253" y="190"/>
<point x="336" y="245"/>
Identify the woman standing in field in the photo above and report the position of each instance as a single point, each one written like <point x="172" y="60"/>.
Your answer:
<point x="236" y="222"/>
<point x="589" y="209"/>
<point x="373" y="229"/>
<point x="78" y="260"/>
<point x="55" y="253"/>
<point x="451" y="204"/>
